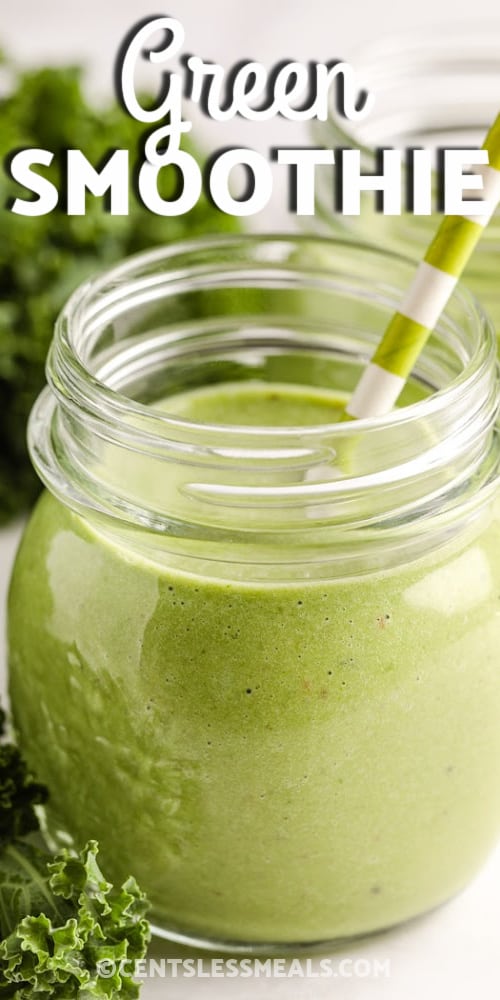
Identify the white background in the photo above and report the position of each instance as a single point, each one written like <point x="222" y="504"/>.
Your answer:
<point x="454" y="952"/>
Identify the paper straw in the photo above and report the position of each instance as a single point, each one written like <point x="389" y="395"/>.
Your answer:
<point x="436" y="276"/>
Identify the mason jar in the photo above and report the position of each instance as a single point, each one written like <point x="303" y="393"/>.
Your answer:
<point x="253" y="649"/>
<point x="433" y="89"/>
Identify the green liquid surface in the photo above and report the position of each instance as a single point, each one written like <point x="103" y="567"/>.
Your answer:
<point x="254" y="404"/>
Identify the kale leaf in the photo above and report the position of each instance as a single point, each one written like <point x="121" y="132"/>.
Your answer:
<point x="19" y="793"/>
<point x="59" y="920"/>
<point x="59" y="917"/>
<point x="42" y="259"/>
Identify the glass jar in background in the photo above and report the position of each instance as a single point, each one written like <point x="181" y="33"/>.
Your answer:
<point x="253" y="650"/>
<point x="433" y="88"/>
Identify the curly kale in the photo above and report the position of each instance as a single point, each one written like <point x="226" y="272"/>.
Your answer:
<point x="61" y="921"/>
<point x="19" y="794"/>
<point x="43" y="259"/>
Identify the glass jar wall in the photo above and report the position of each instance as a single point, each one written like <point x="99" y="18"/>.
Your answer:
<point x="254" y="651"/>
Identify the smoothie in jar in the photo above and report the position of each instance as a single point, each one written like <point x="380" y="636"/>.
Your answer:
<point x="283" y="720"/>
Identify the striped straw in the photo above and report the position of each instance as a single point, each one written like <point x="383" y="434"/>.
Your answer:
<point x="436" y="276"/>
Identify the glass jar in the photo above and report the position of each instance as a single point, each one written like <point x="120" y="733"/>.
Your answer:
<point x="256" y="657"/>
<point x="433" y="88"/>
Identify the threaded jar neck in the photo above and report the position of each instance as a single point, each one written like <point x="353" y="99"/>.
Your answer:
<point x="279" y="309"/>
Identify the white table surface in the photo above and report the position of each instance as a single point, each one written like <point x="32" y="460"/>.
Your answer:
<point x="453" y="952"/>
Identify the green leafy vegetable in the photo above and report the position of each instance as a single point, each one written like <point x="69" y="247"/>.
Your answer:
<point x="61" y="922"/>
<point x="77" y="924"/>
<point x="19" y="793"/>
<point x="42" y="259"/>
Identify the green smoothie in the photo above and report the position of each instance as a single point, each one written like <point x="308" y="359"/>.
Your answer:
<point x="274" y="761"/>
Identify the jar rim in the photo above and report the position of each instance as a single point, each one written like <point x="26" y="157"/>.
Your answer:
<point x="65" y="352"/>
<point x="431" y="463"/>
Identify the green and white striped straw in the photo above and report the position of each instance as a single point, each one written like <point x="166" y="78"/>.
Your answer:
<point x="435" y="278"/>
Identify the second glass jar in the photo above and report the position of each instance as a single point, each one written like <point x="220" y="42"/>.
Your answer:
<point x="433" y="88"/>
